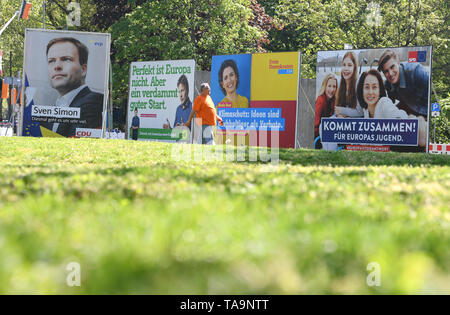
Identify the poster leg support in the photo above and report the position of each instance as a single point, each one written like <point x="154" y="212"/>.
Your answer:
<point x="10" y="122"/>
<point x="434" y="133"/>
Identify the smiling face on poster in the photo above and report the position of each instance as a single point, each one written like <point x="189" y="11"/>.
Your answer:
<point x="384" y="95"/>
<point x="66" y="83"/>
<point x="162" y="92"/>
<point x="230" y="80"/>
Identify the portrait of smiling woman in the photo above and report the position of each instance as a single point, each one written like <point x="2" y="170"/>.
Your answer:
<point x="346" y="101"/>
<point x="229" y="82"/>
<point x="325" y="100"/>
<point x="372" y="97"/>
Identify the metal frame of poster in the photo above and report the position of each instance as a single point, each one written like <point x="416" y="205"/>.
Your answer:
<point x="163" y="94"/>
<point x="375" y="99"/>
<point x="65" y="88"/>
<point x="256" y="95"/>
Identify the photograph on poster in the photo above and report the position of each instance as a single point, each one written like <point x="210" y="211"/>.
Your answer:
<point x="230" y="80"/>
<point x="378" y="84"/>
<point x="66" y="83"/>
<point x="160" y="99"/>
<point x="256" y="95"/>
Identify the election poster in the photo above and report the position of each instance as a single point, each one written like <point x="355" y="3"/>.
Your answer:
<point x="256" y="95"/>
<point x="373" y="99"/>
<point x="66" y="83"/>
<point x="160" y="100"/>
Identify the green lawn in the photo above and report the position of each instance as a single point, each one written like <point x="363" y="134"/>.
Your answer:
<point x="139" y="221"/>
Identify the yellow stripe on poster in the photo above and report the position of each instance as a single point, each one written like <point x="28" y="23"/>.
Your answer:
<point x="275" y="76"/>
<point x="49" y="134"/>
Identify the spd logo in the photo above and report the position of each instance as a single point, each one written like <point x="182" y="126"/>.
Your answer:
<point x="412" y="56"/>
<point x="417" y="56"/>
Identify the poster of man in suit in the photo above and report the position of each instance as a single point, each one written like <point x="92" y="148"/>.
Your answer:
<point x="66" y="83"/>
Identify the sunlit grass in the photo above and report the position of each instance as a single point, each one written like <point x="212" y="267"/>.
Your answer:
<point x="140" y="221"/>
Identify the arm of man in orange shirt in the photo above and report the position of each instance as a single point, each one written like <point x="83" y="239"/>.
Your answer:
<point x="219" y="119"/>
<point x="188" y="124"/>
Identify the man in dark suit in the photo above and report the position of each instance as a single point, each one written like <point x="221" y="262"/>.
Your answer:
<point x="135" y="125"/>
<point x="67" y="60"/>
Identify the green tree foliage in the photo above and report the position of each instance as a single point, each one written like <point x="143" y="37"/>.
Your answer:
<point x="315" y="25"/>
<point x="263" y="22"/>
<point x="109" y="12"/>
<point x="12" y="39"/>
<point x="181" y="29"/>
<point x="56" y="12"/>
<point x="442" y="123"/>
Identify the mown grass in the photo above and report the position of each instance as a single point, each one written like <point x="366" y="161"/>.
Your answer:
<point x="140" y="221"/>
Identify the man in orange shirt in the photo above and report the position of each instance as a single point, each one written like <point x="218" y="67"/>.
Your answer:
<point x="206" y="112"/>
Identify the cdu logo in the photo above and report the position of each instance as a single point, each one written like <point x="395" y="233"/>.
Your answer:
<point x="82" y="134"/>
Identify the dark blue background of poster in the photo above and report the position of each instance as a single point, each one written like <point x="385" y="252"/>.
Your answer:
<point x="357" y="133"/>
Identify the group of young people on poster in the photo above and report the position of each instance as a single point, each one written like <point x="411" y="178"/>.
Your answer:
<point x="394" y="89"/>
<point x="395" y="84"/>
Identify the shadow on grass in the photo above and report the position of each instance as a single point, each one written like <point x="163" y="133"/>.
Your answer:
<point x="308" y="157"/>
<point x="124" y="273"/>
<point x="109" y="181"/>
<point x="347" y="158"/>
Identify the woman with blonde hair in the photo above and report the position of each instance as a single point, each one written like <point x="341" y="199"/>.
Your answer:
<point x="325" y="101"/>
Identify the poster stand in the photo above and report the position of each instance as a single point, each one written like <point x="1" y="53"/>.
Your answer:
<point x="10" y="123"/>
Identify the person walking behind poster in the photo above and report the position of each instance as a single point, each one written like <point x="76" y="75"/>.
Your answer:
<point x="206" y="112"/>
<point x="135" y="125"/>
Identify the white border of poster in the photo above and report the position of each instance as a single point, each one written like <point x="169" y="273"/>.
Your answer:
<point x="417" y="58"/>
<point x="52" y="112"/>
<point x="163" y="93"/>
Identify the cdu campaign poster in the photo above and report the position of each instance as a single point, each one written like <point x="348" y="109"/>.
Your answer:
<point x="256" y="95"/>
<point x="373" y="99"/>
<point x="66" y="83"/>
<point x="160" y="99"/>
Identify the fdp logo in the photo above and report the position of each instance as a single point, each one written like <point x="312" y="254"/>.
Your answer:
<point x="417" y="56"/>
